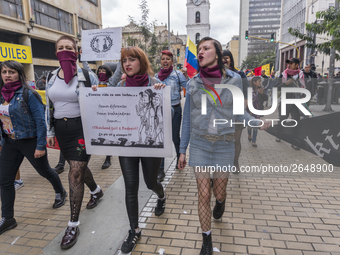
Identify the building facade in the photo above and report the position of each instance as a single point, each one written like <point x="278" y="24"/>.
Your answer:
<point x="233" y="45"/>
<point x="198" y="24"/>
<point x="35" y="25"/>
<point x="260" y="18"/>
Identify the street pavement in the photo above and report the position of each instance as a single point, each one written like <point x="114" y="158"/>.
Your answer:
<point x="270" y="213"/>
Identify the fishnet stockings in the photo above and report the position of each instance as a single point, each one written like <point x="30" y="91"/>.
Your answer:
<point x="79" y="173"/>
<point x="204" y="195"/>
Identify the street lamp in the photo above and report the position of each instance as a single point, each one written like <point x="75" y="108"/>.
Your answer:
<point x="31" y="23"/>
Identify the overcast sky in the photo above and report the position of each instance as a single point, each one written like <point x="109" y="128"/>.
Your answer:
<point x="224" y="15"/>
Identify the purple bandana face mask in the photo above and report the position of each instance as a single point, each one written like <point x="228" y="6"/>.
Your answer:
<point x="68" y="62"/>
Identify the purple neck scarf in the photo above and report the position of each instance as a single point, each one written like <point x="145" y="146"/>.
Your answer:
<point x="9" y="89"/>
<point x="211" y="75"/>
<point x="68" y="62"/>
<point x="102" y="77"/>
<point x="137" y="80"/>
<point x="164" y="73"/>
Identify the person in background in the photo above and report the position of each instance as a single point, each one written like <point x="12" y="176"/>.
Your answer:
<point x="176" y="80"/>
<point x="41" y="83"/>
<point x="310" y="80"/>
<point x="258" y="98"/>
<point x="271" y="84"/>
<point x="23" y="130"/>
<point x="63" y="120"/>
<point x="291" y="77"/>
<point x="228" y="61"/>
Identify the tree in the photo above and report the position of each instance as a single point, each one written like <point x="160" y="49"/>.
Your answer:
<point x="256" y="60"/>
<point x="330" y="26"/>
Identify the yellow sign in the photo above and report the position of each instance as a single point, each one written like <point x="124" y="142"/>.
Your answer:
<point x="267" y="69"/>
<point x="20" y="53"/>
<point x="43" y="96"/>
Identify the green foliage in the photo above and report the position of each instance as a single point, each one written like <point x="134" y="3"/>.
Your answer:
<point x="256" y="60"/>
<point x="330" y="26"/>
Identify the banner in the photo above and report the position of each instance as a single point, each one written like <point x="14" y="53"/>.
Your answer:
<point x="20" y="53"/>
<point x="101" y="44"/>
<point x="127" y="121"/>
<point x="318" y="135"/>
<point x="258" y="70"/>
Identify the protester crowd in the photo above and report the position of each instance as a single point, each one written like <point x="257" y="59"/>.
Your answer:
<point x="27" y="128"/>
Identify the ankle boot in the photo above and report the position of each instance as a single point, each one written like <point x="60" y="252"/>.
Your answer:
<point x="207" y="248"/>
<point x="161" y="175"/>
<point x="107" y="162"/>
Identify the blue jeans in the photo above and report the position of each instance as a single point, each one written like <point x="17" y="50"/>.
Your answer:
<point x="176" y="126"/>
<point x="253" y="140"/>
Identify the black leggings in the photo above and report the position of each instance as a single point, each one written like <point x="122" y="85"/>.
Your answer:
<point x="130" y="170"/>
<point x="12" y="155"/>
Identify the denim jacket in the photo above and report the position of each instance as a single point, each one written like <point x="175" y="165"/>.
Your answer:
<point x="81" y="80"/>
<point x="195" y="122"/>
<point x="27" y="119"/>
<point x="176" y="79"/>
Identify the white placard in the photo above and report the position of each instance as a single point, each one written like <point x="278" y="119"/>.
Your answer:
<point x="101" y="44"/>
<point x="127" y="121"/>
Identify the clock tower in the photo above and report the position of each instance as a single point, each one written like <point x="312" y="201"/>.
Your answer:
<point x="198" y="25"/>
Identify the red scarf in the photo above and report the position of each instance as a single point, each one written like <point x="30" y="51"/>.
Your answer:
<point x="211" y="75"/>
<point x="137" y="80"/>
<point x="293" y="73"/>
<point x="164" y="73"/>
<point x="102" y="77"/>
<point x="9" y="89"/>
<point x="68" y="62"/>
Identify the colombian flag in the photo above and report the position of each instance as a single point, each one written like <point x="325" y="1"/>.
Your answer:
<point x="191" y="58"/>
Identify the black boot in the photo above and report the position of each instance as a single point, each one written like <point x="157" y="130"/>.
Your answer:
<point x="207" y="248"/>
<point x="161" y="175"/>
<point x="107" y="162"/>
<point x="218" y="210"/>
<point x="7" y="224"/>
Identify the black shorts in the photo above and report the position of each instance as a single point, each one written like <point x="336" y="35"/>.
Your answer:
<point x="69" y="132"/>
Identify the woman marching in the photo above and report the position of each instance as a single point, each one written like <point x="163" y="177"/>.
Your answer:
<point x="106" y="79"/>
<point x="210" y="146"/>
<point x="139" y="74"/>
<point x="175" y="80"/>
<point x="64" y="122"/>
<point x="228" y="61"/>
<point x="23" y="128"/>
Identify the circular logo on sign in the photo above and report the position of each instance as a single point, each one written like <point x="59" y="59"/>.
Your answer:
<point x="101" y="43"/>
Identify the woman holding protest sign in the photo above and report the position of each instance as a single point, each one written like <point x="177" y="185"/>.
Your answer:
<point x="176" y="80"/>
<point x="211" y="146"/>
<point x="136" y="66"/>
<point x="64" y="121"/>
<point x="24" y="135"/>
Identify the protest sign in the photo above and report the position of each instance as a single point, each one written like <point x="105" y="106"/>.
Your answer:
<point x="127" y="121"/>
<point x="101" y="44"/>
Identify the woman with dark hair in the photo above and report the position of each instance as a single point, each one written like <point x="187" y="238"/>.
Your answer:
<point x="24" y="132"/>
<point x="64" y="122"/>
<point x="211" y="146"/>
<point x="258" y="98"/>
<point x="139" y="74"/>
<point x="177" y="81"/>
<point x="228" y="61"/>
<point x="106" y="79"/>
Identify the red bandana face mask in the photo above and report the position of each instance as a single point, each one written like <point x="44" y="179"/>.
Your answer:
<point x="68" y="62"/>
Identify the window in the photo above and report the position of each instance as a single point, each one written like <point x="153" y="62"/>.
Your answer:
<point x="93" y="1"/>
<point x="86" y="25"/>
<point x="52" y="17"/>
<point x="12" y="8"/>
<point x="198" y="36"/>
<point x="198" y="17"/>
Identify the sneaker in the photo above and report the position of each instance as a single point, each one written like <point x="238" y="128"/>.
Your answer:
<point x="130" y="241"/>
<point x="159" y="209"/>
<point x="7" y="224"/>
<point x="18" y="184"/>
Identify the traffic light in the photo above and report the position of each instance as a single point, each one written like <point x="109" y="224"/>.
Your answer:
<point x="178" y="52"/>
<point x="246" y="34"/>
<point x="272" y="37"/>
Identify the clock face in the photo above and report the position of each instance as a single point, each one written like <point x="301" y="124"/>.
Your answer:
<point x="197" y="2"/>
